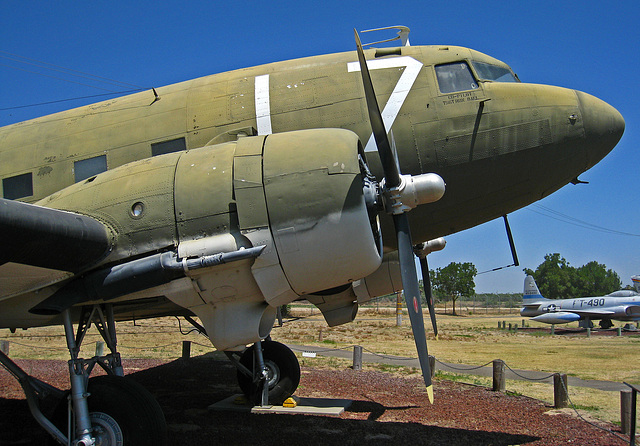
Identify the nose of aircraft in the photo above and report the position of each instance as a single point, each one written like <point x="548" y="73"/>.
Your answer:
<point x="603" y="126"/>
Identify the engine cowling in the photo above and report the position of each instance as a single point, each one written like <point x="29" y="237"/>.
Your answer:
<point x="317" y="211"/>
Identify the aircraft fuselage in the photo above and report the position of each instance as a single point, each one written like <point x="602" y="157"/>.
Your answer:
<point x="174" y="173"/>
<point x="499" y="146"/>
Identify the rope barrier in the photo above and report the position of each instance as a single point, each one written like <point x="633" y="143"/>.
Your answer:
<point x="210" y="346"/>
<point x="37" y="346"/>
<point x="527" y="378"/>
<point x="395" y="358"/>
<point x="321" y="350"/>
<point x="149" y="347"/>
<point x="465" y="368"/>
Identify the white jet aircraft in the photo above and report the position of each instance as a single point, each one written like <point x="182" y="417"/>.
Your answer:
<point x="623" y="305"/>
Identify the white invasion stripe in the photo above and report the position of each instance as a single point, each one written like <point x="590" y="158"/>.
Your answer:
<point x="400" y="91"/>
<point x="263" y="109"/>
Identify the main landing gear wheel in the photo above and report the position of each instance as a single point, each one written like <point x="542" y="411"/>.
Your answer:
<point x="122" y="413"/>
<point x="606" y="323"/>
<point x="283" y="372"/>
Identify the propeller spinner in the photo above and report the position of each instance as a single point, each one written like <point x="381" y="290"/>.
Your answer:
<point x="401" y="193"/>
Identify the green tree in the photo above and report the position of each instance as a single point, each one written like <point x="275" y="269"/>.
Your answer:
<point x="455" y="280"/>
<point x="556" y="279"/>
<point x="594" y="279"/>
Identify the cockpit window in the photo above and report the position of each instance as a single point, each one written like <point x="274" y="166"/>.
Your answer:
<point x="494" y="73"/>
<point x="454" y="77"/>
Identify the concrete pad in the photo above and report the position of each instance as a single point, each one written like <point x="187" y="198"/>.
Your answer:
<point x="306" y="406"/>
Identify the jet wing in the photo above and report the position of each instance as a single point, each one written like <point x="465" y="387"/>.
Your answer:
<point x="533" y="306"/>
<point x="587" y="313"/>
<point x="40" y="246"/>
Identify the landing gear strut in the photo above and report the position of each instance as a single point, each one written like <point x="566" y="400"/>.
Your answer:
<point x="268" y="372"/>
<point x="106" y="410"/>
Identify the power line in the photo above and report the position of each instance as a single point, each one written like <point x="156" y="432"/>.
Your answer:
<point x="69" y="99"/>
<point x="55" y="77"/>
<point x="72" y="76"/>
<point x="559" y="216"/>
<point x="64" y="70"/>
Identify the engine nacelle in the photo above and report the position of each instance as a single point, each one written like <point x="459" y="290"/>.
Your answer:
<point x="320" y="233"/>
<point x="299" y="194"/>
<point x="385" y="280"/>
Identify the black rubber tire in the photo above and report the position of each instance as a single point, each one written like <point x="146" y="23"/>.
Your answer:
<point x="605" y="324"/>
<point x="135" y="411"/>
<point x="284" y="373"/>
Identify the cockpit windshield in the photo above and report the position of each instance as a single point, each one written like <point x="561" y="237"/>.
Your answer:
<point x="495" y="73"/>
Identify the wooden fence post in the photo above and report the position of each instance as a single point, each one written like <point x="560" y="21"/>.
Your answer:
<point x="560" y="391"/>
<point x="399" y="309"/>
<point x="99" y="348"/>
<point x="4" y="347"/>
<point x="432" y="365"/>
<point x="625" y="411"/>
<point x="357" y="357"/>
<point x="186" y="349"/>
<point x="498" y="375"/>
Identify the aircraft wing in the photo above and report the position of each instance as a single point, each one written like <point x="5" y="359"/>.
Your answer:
<point x="598" y="312"/>
<point x="533" y="306"/>
<point x="40" y="246"/>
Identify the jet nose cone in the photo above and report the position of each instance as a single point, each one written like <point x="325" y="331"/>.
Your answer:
<point x="603" y="126"/>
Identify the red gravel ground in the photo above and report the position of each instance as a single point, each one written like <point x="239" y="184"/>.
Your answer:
<point x="386" y="409"/>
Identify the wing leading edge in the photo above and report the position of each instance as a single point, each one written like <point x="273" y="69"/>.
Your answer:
<point x="49" y="238"/>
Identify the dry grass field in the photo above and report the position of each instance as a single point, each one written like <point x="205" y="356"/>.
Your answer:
<point x="476" y="340"/>
<point x="466" y="339"/>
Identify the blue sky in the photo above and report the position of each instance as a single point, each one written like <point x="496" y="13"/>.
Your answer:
<point x="586" y="45"/>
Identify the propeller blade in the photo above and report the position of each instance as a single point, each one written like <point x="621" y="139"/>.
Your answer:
<point x="412" y="296"/>
<point x="426" y="282"/>
<point x="391" y="171"/>
<point x="401" y="221"/>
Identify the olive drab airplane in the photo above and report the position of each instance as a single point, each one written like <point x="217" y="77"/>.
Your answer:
<point x="622" y="305"/>
<point x="227" y="196"/>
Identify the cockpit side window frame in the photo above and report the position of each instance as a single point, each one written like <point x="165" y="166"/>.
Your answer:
<point x="454" y="77"/>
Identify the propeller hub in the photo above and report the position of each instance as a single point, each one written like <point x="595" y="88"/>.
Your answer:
<point x="411" y="192"/>
<point x="424" y="249"/>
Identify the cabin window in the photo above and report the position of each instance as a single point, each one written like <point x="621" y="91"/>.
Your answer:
<point x="19" y="186"/>
<point x="174" y="145"/>
<point x="84" y="169"/>
<point x="494" y="73"/>
<point x="454" y="77"/>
